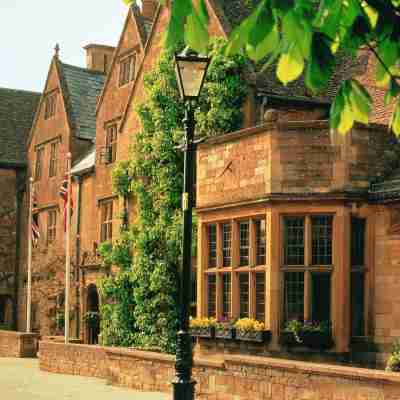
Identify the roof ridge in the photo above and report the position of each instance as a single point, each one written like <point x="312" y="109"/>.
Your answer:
<point x="20" y="90"/>
<point x="83" y="69"/>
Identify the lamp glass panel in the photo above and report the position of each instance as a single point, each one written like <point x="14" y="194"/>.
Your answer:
<point x="192" y="75"/>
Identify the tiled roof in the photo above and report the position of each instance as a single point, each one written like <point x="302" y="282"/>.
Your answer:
<point x="17" y="110"/>
<point x="82" y="87"/>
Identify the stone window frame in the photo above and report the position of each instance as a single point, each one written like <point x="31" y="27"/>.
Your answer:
<point x="127" y="69"/>
<point x="39" y="162"/>
<point x="51" y="228"/>
<point x="50" y="105"/>
<point x="106" y="220"/>
<point x="53" y="160"/>
<point x="111" y="142"/>
<point x="219" y="271"/>
<point x="308" y="268"/>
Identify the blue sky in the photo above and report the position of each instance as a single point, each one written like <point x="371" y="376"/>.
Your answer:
<point x="29" y="30"/>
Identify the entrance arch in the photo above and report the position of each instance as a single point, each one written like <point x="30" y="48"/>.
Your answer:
<point x="92" y="319"/>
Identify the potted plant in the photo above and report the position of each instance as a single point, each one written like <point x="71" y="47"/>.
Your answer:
<point x="225" y="330"/>
<point x="393" y="363"/>
<point x="314" y="335"/>
<point x="202" y="327"/>
<point x="251" y="330"/>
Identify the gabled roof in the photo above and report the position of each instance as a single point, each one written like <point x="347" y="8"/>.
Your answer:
<point x="81" y="88"/>
<point x="17" y="110"/>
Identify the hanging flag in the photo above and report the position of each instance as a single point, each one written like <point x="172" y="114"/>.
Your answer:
<point x="64" y="193"/>
<point x="35" y="220"/>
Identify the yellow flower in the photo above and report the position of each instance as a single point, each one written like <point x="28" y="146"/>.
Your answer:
<point x="249" y="324"/>
<point x="202" y="322"/>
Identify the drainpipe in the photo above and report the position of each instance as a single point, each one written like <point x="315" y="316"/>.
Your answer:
<point x="19" y="193"/>
<point x="78" y="255"/>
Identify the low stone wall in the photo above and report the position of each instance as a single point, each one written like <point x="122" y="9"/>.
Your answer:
<point x="73" y="359"/>
<point x="18" y="344"/>
<point x="234" y="377"/>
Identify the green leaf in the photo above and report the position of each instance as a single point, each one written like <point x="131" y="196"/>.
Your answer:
<point x="203" y="13"/>
<point x="388" y="52"/>
<point x="321" y="64"/>
<point x="395" y="120"/>
<point x="290" y="65"/>
<point x="129" y="2"/>
<point x="297" y="30"/>
<point x="371" y="13"/>
<point x="392" y="92"/>
<point x="267" y="46"/>
<point x="176" y="28"/>
<point x="360" y="102"/>
<point x="264" y="22"/>
<point x="196" y="33"/>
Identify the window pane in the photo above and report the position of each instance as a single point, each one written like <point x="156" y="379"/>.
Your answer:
<point x="244" y="231"/>
<point x="211" y="290"/>
<point x="321" y="240"/>
<point x="260" y="241"/>
<point x="227" y="241"/>
<point x="212" y="246"/>
<point x="321" y="297"/>
<point x="294" y="241"/>
<point x="357" y="242"/>
<point x="260" y="296"/>
<point x="357" y="304"/>
<point x="294" y="295"/>
<point x="226" y="295"/>
<point x="244" y="295"/>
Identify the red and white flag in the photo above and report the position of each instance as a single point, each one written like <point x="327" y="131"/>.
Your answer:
<point x="65" y="193"/>
<point x="35" y="220"/>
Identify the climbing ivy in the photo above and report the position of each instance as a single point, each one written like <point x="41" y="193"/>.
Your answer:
<point x="140" y="301"/>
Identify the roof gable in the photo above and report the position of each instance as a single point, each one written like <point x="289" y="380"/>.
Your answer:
<point x="17" y="110"/>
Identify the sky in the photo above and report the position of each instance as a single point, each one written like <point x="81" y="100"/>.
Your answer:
<point x="30" y="29"/>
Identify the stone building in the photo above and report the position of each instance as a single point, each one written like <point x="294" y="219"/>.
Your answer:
<point x="294" y="222"/>
<point x="17" y="109"/>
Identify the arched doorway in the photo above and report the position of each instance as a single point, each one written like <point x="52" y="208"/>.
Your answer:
<point x="91" y="317"/>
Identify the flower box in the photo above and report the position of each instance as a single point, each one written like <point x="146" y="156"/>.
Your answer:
<point x="313" y="340"/>
<point x="225" y="332"/>
<point x="253" y="336"/>
<point x="206" y="332"/>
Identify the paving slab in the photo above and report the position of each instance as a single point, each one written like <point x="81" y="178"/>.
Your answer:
<point x="21" y="379"/>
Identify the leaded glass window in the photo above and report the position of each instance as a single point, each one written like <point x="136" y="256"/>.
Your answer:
<point x="294" y="295"/>
<point x="260" y="296"/>
<point x="261" y="244"/>
<point x="244" y="237"/>
<point x="294" y="241"/>
<point x="211" y="290"/>
<point x="321" y="240"/>
<point x="212" y="246"/>
<point x="226" y="244"/>
<point x="226" y="295"/>
<point x="244" y="295"/>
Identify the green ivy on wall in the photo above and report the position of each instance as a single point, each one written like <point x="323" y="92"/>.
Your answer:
<point x="139" y="306"/>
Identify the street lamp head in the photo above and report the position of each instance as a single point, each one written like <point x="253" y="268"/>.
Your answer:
<point x="191" y="70"/>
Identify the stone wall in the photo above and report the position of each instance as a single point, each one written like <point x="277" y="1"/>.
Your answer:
<point x="233" y="377"/>
<point x="18" y="344"/>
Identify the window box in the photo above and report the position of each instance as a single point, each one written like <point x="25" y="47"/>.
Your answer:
<point x="253" y="336"/>
<point x="203" y="332"/>
<point x="225" y="332"/>
<point x="317" y="340"/>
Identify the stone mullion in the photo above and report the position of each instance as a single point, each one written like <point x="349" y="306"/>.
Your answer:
<point x="252" y="263"/>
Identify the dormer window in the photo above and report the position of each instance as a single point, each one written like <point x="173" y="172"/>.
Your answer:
<point x="53" y="159"/>
<point x="39" y="163"/>
<point x="50" y="106"/>
<point x="127" y="69"/>
<point x="111" y="144"/>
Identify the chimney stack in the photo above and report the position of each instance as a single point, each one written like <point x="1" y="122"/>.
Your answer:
<point x="99" y="57"/>
<point x="149" y="8"/>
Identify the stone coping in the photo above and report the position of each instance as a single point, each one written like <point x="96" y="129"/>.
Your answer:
<point x="18" y="334"/>
<point x="225" y="360"/>
<point x="314" y="368"/>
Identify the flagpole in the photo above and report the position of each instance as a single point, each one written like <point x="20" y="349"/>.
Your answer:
<point x="67" y="250"/>
<point x="29" y="281"/>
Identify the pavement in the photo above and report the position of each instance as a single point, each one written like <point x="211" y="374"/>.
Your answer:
<point x="21" y="379"/>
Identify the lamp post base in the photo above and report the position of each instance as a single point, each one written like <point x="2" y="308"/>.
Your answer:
<point x="183" y="390"/>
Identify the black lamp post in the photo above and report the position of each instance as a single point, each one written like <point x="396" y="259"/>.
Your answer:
<point x="191" y="70"/>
